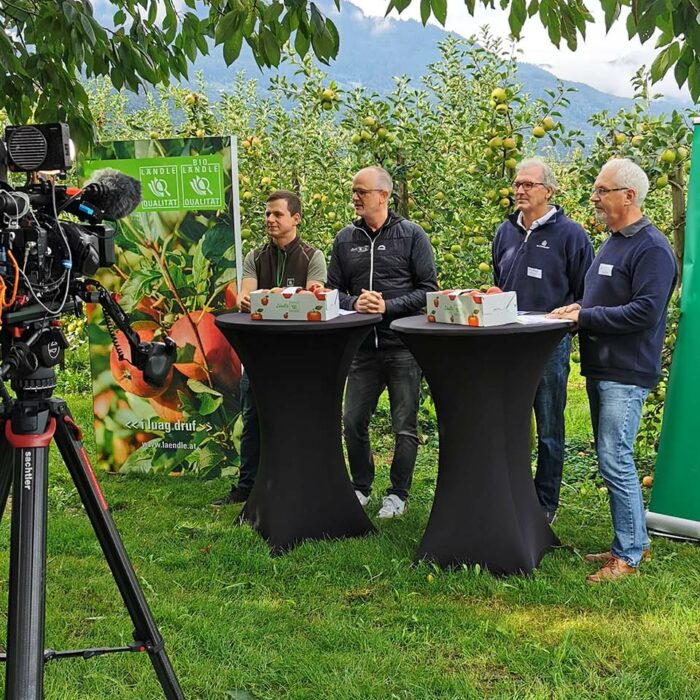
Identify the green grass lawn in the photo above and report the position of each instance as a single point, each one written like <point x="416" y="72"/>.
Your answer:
<point x="354" y="619"/>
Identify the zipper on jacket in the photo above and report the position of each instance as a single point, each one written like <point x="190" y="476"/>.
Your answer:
<point x="518" y="253"/>
<point x="371" y="277"/>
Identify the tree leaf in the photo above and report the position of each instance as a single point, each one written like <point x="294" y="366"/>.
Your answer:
<point x="301" y="42"/>
<point x="517" y="16"/>
<point x="425" y="9"/>
<point x="232" y="47"/>
<point x="440" y="10"/>
<point x="272" y="46"/>
<point x="612" y="12"/>
<point x="694" y="78"/>
<point x="664" y="60"/>
<point x="227" y="25"/>
<point x="683" y="65"/>
<point x="87" y="28"/>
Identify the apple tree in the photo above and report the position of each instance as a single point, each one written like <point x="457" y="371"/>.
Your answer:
<point x="48" y="46"/>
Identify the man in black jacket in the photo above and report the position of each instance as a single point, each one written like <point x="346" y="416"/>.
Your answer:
<point x="382" y="264"/>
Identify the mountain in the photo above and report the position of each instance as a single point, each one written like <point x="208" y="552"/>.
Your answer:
<point x="372" y="52"/>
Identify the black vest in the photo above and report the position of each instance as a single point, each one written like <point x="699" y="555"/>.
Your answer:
<point x="288" y="267"/>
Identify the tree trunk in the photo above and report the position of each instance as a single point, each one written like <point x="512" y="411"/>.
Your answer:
<point x="678" y="194"/>
<point x="401" y="189"/>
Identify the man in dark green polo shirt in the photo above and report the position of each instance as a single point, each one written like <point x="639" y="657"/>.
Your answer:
<point x="284" y="261"/>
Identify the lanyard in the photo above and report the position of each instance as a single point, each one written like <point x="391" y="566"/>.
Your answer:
<point x="279" y="274"/>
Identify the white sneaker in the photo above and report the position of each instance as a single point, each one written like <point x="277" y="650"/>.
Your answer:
<point x="392" y="507"/>
<point x="364" y="500"/>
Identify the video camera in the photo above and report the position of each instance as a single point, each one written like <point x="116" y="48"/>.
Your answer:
<point x="46" y="260"/>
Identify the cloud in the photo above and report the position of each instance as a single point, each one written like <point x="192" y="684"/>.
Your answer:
<point x="605" y="61"/>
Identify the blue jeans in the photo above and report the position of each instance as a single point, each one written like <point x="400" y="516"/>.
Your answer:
<point x="616" y="411"/>
<point x="550" y="402"/>
<point x="371" y="371"/>
<point x="250" y="436"/>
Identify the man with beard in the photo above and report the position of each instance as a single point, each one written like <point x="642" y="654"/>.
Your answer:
<point x="622" y="325"/>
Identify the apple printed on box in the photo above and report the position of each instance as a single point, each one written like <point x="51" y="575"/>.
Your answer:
<point x="294" y="304"/>
<point x="470" y="307"/>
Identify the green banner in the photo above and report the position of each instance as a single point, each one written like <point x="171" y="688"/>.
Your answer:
<point x="185" y="183"/>
<point x="178" y="256"/>
<point x="675" y="502"/>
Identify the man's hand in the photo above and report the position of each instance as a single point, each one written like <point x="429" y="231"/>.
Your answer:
<point x="244" y="303"/>
<point x="370" y="303"/>
<point x="569" y="312"/>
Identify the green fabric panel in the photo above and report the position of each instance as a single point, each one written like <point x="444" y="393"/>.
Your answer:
<point x="676" y="489"/>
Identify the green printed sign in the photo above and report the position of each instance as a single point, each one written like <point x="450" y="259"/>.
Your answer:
<point x="176" y="268"/>
<point x="186" y="183"/>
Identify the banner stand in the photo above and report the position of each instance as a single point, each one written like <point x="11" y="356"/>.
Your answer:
<point x="674" y="509"/>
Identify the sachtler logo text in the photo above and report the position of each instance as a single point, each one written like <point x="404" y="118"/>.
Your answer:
<point x="28" y="470"/>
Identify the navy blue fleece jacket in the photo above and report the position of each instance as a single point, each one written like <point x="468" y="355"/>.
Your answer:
<point x="545" y="268"/>
<point x="623" y="316"/>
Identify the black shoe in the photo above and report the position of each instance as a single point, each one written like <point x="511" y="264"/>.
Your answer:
<point x="235" y="495"/>
<point x="551" y="516"/>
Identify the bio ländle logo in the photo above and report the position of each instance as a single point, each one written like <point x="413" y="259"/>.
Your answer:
<point x="201" y="186"/>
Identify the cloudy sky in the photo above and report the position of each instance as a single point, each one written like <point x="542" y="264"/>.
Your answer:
<point x="604" y="61"/>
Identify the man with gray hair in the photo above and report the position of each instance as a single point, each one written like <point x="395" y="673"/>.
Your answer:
<point x="382" y="264"/>
<point x="622" y="325"/>
<point x="543" y="255"/>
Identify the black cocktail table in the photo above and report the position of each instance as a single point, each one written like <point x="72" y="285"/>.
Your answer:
<point x="483" y="382"/>
<point x="297" y="371"/>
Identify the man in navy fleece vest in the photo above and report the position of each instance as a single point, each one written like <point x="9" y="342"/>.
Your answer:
<point x="543" y="255"/>
<point x="622" y="323"/>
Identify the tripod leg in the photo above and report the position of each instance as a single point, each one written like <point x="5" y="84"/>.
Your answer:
<point x="5" y="470"/>
<point x="27" y="595"/>
<point x="68" y="439"/>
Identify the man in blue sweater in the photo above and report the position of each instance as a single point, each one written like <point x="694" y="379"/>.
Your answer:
<point x="543" y="255"/>
<point x="622" y="323"/>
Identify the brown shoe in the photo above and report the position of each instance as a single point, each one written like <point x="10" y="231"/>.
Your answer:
<point x="612" y="570"/>
<point x="602" y="557"/>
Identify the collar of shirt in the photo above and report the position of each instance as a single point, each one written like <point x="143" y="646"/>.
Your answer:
<point x="630" y="230"/>
<point x="373" y="233"/>
<point x="537" y="222"/>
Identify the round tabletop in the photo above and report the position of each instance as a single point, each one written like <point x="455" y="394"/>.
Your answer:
<point x="420" y="325"/>
<point x="242" y="321"/>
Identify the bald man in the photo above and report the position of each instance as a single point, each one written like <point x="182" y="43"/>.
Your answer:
<point x="382" y="263"/>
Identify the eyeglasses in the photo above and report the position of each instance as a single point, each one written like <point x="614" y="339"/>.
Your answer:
<point x="364" y="193"/>
<point x="525" y="184"/>
<point x="600" y="191"/>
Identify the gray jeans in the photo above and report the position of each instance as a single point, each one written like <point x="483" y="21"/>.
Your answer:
<point x="370" y="373"/>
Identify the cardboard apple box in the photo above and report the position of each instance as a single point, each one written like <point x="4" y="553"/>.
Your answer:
<point x="294" y="304"/>
<point x="471" y="307"/>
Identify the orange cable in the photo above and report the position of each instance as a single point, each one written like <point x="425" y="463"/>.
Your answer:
<point x="16" y="282"/>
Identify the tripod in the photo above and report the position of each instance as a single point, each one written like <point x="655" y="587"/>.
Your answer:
<point x="28" y="424"/>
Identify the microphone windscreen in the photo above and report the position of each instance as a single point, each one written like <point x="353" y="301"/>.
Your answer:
<point x="114" y="192"/>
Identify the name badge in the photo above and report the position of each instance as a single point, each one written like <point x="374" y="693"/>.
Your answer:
<point x="534" y="272"/>
<point x="605" y="269"/>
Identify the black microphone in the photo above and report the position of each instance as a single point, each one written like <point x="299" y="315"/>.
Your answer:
<point x="115" y="194"/>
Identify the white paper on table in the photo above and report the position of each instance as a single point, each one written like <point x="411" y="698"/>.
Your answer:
<point x="345" y="312"/>
<point x="532" y="319"/>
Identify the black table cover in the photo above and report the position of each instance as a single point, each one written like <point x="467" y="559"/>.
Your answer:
<point x="483" y="382"/>
<point x="297" y="372"/>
